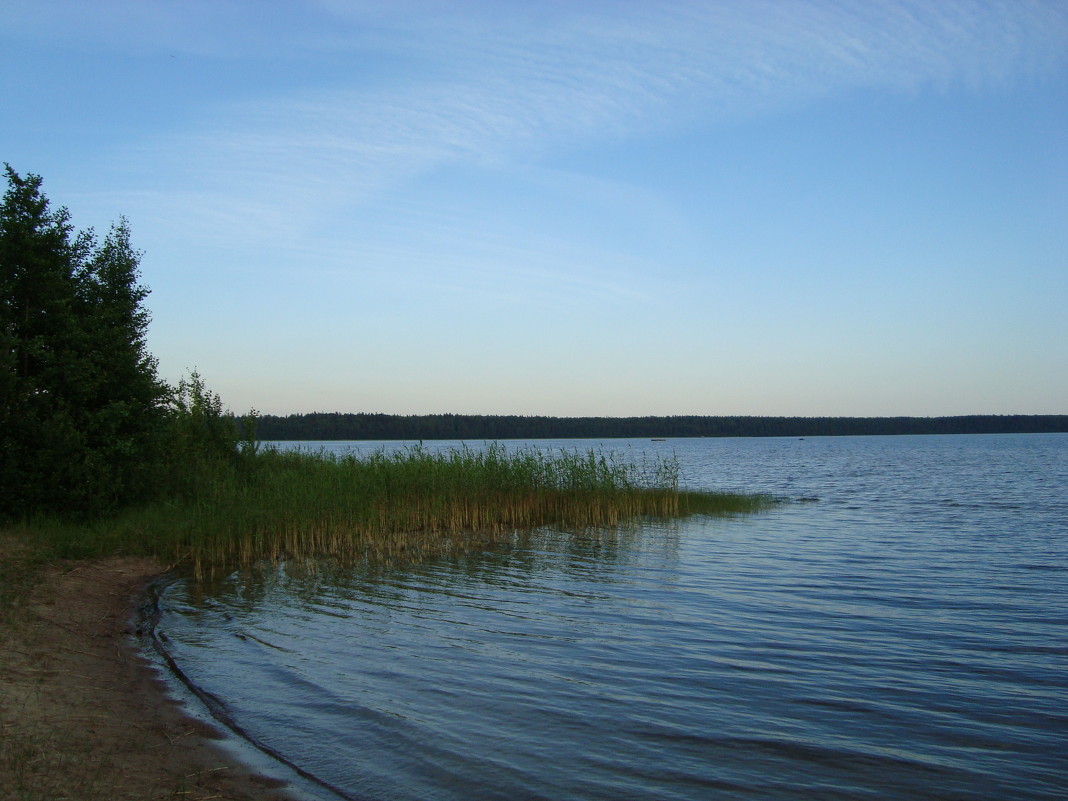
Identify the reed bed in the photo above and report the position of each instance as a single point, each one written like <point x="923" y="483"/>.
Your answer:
<point x="290" y="504"/>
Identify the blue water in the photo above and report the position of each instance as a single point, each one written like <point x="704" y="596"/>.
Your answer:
<point x="905" y="636"/>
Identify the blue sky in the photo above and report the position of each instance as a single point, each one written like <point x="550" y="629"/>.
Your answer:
<point x="756" y="207"/>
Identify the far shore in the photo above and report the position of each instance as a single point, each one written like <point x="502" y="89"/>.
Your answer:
<point x="83" y="716"/>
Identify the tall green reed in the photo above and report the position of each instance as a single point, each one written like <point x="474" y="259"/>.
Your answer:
<point x="271" y="504"/>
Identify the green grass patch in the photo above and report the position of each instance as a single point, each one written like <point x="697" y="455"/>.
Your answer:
<point x="692" y="502"/>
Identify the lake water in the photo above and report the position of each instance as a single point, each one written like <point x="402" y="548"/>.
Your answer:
<point x="903" y="637"/>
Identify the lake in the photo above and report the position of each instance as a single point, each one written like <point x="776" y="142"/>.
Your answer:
<point x="897" y="630"/>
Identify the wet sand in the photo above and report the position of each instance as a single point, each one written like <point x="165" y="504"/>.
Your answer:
<point x="84" y="717"/>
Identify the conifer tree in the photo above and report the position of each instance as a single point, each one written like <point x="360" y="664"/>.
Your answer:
<point x="80" y="404"/>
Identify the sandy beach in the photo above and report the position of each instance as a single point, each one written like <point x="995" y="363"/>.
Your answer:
<point x="83" y="716"/>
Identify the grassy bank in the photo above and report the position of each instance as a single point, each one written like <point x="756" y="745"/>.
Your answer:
<point x="272" y="504"/>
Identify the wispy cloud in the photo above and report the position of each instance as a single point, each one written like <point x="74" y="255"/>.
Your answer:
<point x="483" y="84"/>
<point x="479" y="83"/>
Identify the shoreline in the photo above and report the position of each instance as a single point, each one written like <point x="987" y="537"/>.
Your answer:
<point x="84" y="715"/>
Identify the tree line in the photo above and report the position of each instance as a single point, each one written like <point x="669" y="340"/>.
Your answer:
<point x="365" y="426"/>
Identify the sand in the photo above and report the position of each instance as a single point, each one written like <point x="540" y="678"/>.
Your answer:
<point x="83" y="716"/>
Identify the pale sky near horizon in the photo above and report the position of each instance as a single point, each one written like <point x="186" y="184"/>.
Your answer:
<point x="753" y="207"/>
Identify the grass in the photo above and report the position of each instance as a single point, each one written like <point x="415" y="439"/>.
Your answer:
<point x="275" y="504"/>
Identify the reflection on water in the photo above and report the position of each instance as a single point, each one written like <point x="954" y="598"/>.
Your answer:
<point x="593" y="555"/>
<point x="902" y="638"/>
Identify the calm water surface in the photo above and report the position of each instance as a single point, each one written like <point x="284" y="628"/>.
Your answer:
<point x="903" y="637"/>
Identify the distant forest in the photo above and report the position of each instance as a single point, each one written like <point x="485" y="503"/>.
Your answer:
<point x="339" y="426"/>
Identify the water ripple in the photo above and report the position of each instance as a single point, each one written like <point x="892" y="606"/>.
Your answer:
<point x="902" y="639"/>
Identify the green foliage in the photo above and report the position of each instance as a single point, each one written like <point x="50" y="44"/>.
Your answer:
<point x="80" y="403"/>
<point x="206" y="446"/>
<point x="201" y="430"/>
